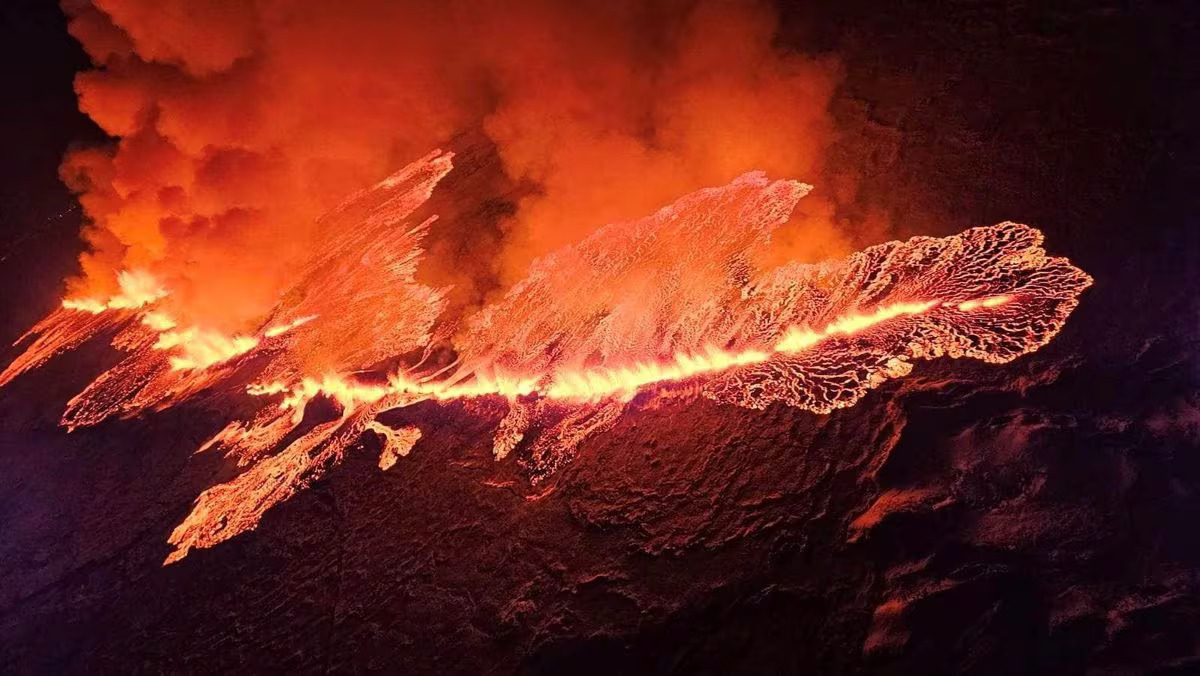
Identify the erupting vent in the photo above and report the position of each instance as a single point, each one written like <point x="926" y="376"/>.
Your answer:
<point x="671" y="302"/>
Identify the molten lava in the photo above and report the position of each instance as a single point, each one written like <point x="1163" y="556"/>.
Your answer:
<point x="593" y="384"/>
<point x="667" y="302"/>
<point x="138" y="288"/>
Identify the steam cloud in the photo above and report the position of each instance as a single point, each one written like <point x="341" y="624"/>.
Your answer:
<point x="238" y="122"/>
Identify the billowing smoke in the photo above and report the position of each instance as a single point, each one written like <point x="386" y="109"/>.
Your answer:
<point x="238" y="122"/>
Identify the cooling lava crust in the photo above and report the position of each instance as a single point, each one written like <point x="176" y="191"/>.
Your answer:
<point x="963" y="519"/>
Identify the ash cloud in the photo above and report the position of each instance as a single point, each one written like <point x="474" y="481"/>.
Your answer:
<point x="238" y="122"/>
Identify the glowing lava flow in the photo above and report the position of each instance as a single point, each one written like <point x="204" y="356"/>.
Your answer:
<point x="565" y="350"/>
<point x="195" y="348"/>
<point x="138" y="288"/>
<point x="798" y="339"/>
<point x="199" y="348"/>
<point x="591" y="384"/>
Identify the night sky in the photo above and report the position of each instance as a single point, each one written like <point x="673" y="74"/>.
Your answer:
<point x="39" y="221"/>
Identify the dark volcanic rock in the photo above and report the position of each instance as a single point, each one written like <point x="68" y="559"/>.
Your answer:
<point x="1036" y="517"/>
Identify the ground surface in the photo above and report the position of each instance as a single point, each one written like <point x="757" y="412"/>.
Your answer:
<point x="1037" y="517"/>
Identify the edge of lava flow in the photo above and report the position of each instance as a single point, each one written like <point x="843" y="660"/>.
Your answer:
<point x="667" y="301"/>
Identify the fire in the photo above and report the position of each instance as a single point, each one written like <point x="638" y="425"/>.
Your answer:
<point x="798" y="339"/>
<point x="197" y="348"/>
<point x="623" y="382"/>
<point x="193" y="347"/>
<point x="589" y="385"/>
<point x="138" y="288"/>
<point x="200" y="349"/>
<point x="636" y="306"/>
<point x="993" y="301"/>
<point x="280" y="329"/>
<point x="158" y="321"/>
<point x="352" y="395"/>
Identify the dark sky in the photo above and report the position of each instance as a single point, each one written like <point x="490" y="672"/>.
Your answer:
<point x="39" y="223"/>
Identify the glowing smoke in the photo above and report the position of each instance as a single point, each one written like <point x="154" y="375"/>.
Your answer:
<point x="239" y="122"/>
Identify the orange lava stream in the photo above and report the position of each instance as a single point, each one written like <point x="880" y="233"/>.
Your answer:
<point x="977" y="303"/>
<point x="280" y="329"/>
<point x="798" y="339"/>
<point x="200" y="348"/>
<point x="195" y="348"/>
<point x="598" y="383"/>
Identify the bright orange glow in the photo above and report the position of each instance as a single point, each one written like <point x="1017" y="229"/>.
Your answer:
<point x="351" y="395"/>
<point x="587" y="384"/>
<point x="195" y="348"/>
<point x="158" y="321"/>
<point x="200" y="349"/>
<point x="593" y="384"/>
<point x="798" y="339"/>
<point x="280" y="329"/>
<point x="138" y="288"/>
<point x="86" y="305"/>
<point x="975" y="304"/>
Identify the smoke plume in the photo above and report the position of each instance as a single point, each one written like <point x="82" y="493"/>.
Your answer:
<point x="237" y="122"/>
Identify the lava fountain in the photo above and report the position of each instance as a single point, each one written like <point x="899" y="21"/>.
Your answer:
<point x="668" y="303"/>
